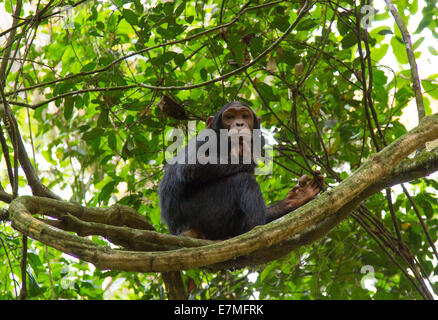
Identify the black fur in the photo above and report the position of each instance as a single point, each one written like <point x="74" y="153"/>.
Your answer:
<point x="217" y="200"/>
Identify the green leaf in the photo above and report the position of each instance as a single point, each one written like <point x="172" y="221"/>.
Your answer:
<point x="204" y="74"/>
<point x="93" y="32"/>
<point x="34" y="260"/>
<point x="135" y="105"/>
<point x="427" y="209"/>
<point x="256" y="46"/>
<point x="138" y="6"/>
<point x="89" y="66"/>
<point x="112" y="141"/>
<point x="93" y="134"/>
<point x="417" y="43"/>
<point x="107" y="190"/>
<point x="267" y="91"/>
<point x="79" y="102"/>
<point x="385" y="30"/>
<point x="431" y="88"/>
<point x="164" y="58"/>
<point x="8" y="6"/>
<point x="306" y="24"/>
<point x="378" y="53"/>
<point x="425" y="22"/>
<point x="68" y="107"/>
<point x="403" y="95"/>
<point x="100" y="25"/>
<point x="130" y="16"/>
<point x="343" y="26"/>
<point x="179" y="59"/>
<point x="62" y="88"/>
<point x="399" y="50"/>
<point x="349" y="40"/>
<point x="281" y="22"/>
<point x="168" y="8"/>
<point x="379" y="77"/>
<point x="432" y="50"/>
<point x="103" y="120"/>
<point x="290" y="57"/>
<point x="180" y="9"/>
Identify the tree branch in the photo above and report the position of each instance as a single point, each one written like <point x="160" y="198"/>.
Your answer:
<point x="416" y="85"/>
<point x="9" y="42"/>
<point x="327" y="210"/>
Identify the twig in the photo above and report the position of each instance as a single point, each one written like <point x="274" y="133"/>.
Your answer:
<point x="425" y="295"/>
<point x="365" y="86"/>
<point x="393" y="216"/>
<point x="423" y="225"/>
<point x="416" y="85"/>
<point x="12" y="128"/>
<point x="319" y="52"/>
<point x="38" y="17"/>
<point x="8" y="45"/>
<point x="5" y="150"/>
<point x="10" y="267"/>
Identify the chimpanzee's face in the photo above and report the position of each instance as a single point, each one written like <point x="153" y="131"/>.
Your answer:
<point x="237" y="118"/>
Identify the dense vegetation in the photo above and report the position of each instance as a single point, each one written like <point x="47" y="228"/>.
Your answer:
<point x="93" y="87"/>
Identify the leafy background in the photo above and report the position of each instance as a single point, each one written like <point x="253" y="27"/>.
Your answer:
<point x="91" y="122"/>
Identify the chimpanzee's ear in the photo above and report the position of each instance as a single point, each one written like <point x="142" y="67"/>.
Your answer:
<point x="209" y="120"/>
<point x="260" y="119"/>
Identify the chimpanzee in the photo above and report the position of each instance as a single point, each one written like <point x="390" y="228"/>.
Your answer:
<point x="220" y="201"/>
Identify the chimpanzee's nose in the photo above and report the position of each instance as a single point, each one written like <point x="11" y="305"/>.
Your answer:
<point x="239" y="123"/>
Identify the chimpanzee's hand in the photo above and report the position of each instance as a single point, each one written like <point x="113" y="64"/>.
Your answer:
<point x="305" y="190"/>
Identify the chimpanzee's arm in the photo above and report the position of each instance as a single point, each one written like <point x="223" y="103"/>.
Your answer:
<point x="277" y="210"/>
<point x="297" y="196"/>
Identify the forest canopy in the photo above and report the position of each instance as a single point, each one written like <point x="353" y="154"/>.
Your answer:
<point x="91" y="90"/>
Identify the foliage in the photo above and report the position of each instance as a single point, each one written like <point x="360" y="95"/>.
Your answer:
<point x="85" y="92"/>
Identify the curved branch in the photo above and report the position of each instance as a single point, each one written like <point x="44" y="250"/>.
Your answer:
<point x="141" y="240"/>
<point x="328" y="209"/>
<point x="410" y="169"/>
